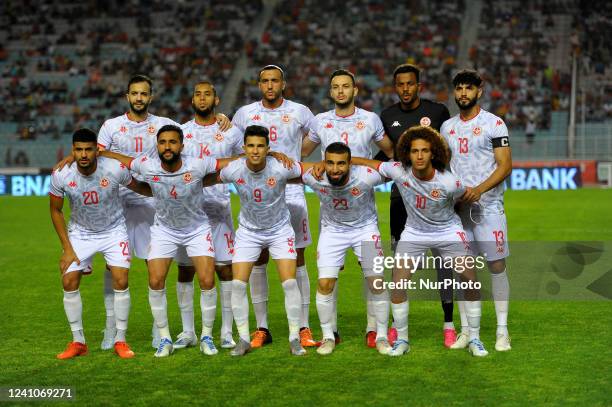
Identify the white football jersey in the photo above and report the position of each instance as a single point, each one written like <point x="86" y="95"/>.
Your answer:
<point x="348" y="207"/>
<point x="262" y="194"/>
<point x="358" y="131"/>
<point x="471" y="144"/>
<point x="287" y="124"/>
<point x="94" y="200"/>
<point x="128" y="137"/>
<point x="209" y="141"/>
<point x="429" y="203"/>
<point x="179" y="201"/>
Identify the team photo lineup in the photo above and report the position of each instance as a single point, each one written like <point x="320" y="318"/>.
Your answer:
<point x="146" y="188"/>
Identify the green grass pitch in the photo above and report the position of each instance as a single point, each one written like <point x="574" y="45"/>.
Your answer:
<point x="561" y="349"/>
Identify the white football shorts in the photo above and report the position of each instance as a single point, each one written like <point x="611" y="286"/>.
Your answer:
<point x="165" y="242"/>
<point x="113" y="244"/>
<point x="249" y="244"/>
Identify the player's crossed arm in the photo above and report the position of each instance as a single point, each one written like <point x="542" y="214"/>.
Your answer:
<point x="503" y="159"/>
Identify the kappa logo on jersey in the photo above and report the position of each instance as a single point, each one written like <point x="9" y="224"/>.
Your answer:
<point x="240" y="181"/>
<point x="323" y="191"/>
<point x="355" y="191"/>
<point x="396" y="124"/>
<point x="151" y="129"/>
<point x="72" y="184"/>
<point x="155" y="178"/>
<point x="329" y="125"/>
<point x="285" y="118"/>
<point x="219" y="137"/>
<point x="369" y="170"/>
<point x="256" y="117"/>
<point x="104" y="182"/>
<point x="425" y="121"/>
<point x="187" y="177"/>
<point x="271" y="182"/>
<point x="189" y="136"/>
<point x="435" y="193"/>
<point x="499" y="122"/>
<point x="476" y="131"/>
<point x="122" y="166"/>
<point x="123" y="129"/>
<point x="360" y="125"/>
<point x="406" y="184"/>
<point x="452" y="132"/>
<point x="143" y="159"/>
<point x="397" y="164"/>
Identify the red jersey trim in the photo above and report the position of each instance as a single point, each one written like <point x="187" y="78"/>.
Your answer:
<point x="348" y="115"/>
<point x="134" y="121"/>
<point x="433" y="174"/>
<point x="102" y="145"/>
<point x="471" y="118"/>
<point x="130" y="164"/>
<point x="216" y="165"/>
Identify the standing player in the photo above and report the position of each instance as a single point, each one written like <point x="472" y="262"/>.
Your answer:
<point x="482" y="159"/>
<point x="287" y="123"/>
<point x="264" y="222"/>
<point x="412" y="110"/>
<point x="429" y="193"/>
<point x="96" y="225"/>
<point x="180" y="221"/>
<point x="348" y="221"/>
<point x="358" y="129"/>
<point x="204" y="138"/>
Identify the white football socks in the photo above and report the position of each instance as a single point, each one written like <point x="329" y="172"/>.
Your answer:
<point x="463" y="317"/>
<point x="208" y="305"/>
<point x="371" y="312"/>
<point x="473" y="310"/>
<point x="227" y="318"/>
<point x="184" y="296"/>
<point x="293" y="307"/>
<point x="109" y="301"/>
<point x="258" y="282"/>
<point x="334" y="320"/>
<point x="240" y="309"/>
<point x="159" y="309"/>
<point x="501" y="293"/>
<point x="303" y="282"/>
<point x="400" y="317"/>
<point x="381" y="309"/>
<point x="73" y="306"/>
<point x="122" y="313"/>
<point x="326" y="310"/>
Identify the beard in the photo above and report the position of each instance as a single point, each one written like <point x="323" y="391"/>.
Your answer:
<point x="170" y="161"/>
<point x="142" y="110"/>
<point x="340" y="181"/>
<point x="345" y="104"/>
<point x="201" y="112"/>
<point x="470" y="104"/>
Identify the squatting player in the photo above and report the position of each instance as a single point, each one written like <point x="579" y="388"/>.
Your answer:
<point x="180" y="221"/>
<point x="482" y="159"/>
<point x="348" y="221"/>
<point x="204" y="138"/>
<point x="264" y="222"/>
<point x="429" y="193"/>
<point x="410" y="111"/>
<point x="358" y="129"/>
<point x="287" y="123"/>
<point x="96" y="225"/>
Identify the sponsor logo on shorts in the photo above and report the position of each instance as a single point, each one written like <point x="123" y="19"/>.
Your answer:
<point x="290" y="243"/>
<point x="360" y="125"/>
<point x="104" y="182"/>
<point x="477" y="131"/>
<point x="271" y="182"/>
<point x="435" y="193"/>
<point x="187" y="177"/>
<point x="286" y="118"/>
<point x="219" y="137"/>
<point x="425" y="121"/>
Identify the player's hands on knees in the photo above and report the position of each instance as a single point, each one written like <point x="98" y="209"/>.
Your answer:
<point x="471" y="195"/>
<point x="68" y="257"/>
<point x="223" y="121"/>
<point x="318" y="170"/>
<point x="67" y="161"/>
<point x="286" y="161"/>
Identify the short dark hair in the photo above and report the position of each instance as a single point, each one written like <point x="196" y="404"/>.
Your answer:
<point x="272" y="67"/>
<point x="439" y="149"/>
<point x="258" y="131"/>
<point x="468" y="77"/>
<point x="407" y="68"/>
<point x="84" y="135"/>
<point x="140" y="78"/>
<point x="341" y="72"/>
<point x="171" y="127"/>
<point x="339" y="148"/>
<point x="205" y="83"/>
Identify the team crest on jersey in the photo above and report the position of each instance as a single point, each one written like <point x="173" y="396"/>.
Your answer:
<point x="271" y="182"/>
<point x="355" y="191"/>
<point x="187" y="177"/>
<point x="155" y="178"/>
<point x="329" y="125"/>
<point x="219" y="137"/>
<point x="477" y="131"/>
<point x="256" y="117"/>
<point x="360" y="125"/>
<point x="123" y="129"/>
<point x="189" y="136"/>
<point x="72" y="184"/>
<point x="151" y="129"/>
<point x="425" y="121"/>
<point x="435" y="193"/>
<point x="286" y="118"/>
<point x="104" y="182"/>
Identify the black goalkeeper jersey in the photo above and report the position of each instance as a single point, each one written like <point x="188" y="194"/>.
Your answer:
<point x="396" y="120"/>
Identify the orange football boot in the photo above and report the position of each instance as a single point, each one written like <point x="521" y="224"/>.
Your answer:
<point x="72" y="350"/>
